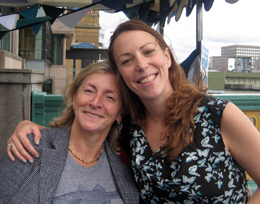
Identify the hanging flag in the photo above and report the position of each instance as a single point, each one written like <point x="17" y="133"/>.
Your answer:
<point x="34" y="12"/>
<point x="30" y="12"/>
<point x="53" y="12"/>
<point x="40" y="13"/>
<point x="71" y="19"/>
<point x="22" y="23"/>
<point x="9" y="21"/>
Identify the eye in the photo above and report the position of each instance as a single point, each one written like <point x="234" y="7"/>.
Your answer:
<point x="127" y="61"/>
<point x="111" y="98"/>
<point x="88" y="91"/>
<point x="147" y="52"/>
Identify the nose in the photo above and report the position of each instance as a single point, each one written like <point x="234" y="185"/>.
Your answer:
<point x="96" y="101"/>
<point x="141" y="63"/>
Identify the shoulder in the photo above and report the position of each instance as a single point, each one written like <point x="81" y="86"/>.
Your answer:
<point x="122" y="176"/>
<point x="213" y="102"/>
<point x="52" y="137"/>
<point x="213" y="106"/>
<point x="115" y="161"/>
<point x="53" y="132"/>
<point x="109" y="150"/>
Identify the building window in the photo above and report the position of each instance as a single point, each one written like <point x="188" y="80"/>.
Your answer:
<point x="82" y="64"/>
<point x="27" y="44"/>
<point x="6" y="39"/>
<point x="58" y="49"/>
<point x="38" y="46"/>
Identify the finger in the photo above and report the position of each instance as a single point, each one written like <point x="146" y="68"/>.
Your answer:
<point x="37" y="135"/>
<point x="24" y="146"/>
<point x="9" y="152"/>
<point x="18" y="155"/>
<point x="18" y="148"/>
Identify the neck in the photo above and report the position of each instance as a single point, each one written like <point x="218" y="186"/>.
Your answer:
<point x="85" y="145"/>
<point x="155" y="111"/>
<point x="155" y="108"/>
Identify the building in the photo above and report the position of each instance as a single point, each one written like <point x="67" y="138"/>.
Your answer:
<point x="47" y="50"/>
<point x="86" y="36"/>
<point x="44" y="52"/>
<point x="237" y="58"/>
<point x="214" y="63"/>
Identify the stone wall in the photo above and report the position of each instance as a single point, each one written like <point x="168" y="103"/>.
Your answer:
<point x="16" y="86"/>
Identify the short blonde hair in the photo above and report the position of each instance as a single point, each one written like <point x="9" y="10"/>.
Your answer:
<point x="67" y="117"/>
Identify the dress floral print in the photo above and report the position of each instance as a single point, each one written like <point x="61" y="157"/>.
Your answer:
<point x="204" y="172"/>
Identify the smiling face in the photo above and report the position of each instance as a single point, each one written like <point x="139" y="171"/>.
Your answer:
<point x="143" y="64"/>
<point x="97" y="103"/>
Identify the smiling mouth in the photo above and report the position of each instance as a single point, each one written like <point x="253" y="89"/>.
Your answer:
<point x="95" y="116"/>
<point x="147" y="79"/>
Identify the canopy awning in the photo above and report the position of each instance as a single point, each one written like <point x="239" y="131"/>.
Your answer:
<point x="149" y="11"/>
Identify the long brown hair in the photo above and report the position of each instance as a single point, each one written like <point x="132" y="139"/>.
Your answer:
<point x="181" y="106"/>
<point x="67" y="117"/>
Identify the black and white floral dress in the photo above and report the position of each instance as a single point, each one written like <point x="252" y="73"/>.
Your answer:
<point x="204" y="172"/>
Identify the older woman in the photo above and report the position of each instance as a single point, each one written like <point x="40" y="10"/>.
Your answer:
<point x="184" y="146"/>
<point x="78" y="162"/>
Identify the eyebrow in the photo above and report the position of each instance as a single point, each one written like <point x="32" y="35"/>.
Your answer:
<point x="106" y="91"/>
<point x="145" y="45"/>
<point x="126" y="54"/>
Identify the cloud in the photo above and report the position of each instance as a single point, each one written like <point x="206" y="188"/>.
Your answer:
<point x="109" y="21"/>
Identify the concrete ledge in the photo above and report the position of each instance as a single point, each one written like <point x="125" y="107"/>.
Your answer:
<point x="21" y="76"/>
<point x="10" y="61"/>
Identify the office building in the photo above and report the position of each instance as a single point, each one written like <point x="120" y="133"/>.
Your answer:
<point x="237" y="58"/>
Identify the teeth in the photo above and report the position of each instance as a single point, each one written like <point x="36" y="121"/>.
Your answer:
<point x="148" y="79"/>
<point x="96" y="116"/>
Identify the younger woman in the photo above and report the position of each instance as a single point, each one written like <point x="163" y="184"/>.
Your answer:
<point x="184" y="146"/>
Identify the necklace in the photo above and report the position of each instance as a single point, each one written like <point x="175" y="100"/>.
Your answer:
<point x="87" y="162"/>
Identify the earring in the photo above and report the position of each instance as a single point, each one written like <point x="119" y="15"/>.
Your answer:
<point x="73" y="107"/>
<point x="120" y="126"/>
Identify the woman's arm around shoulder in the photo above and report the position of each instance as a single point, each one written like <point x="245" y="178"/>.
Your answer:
<point x="20" y="142"/>
<point x="242" y="139"/>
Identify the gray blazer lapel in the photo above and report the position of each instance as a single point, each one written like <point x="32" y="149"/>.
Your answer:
<point x="122" y="175"/>
<point x="53" y="160"/>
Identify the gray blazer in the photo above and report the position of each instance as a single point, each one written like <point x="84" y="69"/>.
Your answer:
<point x="37" y="182"/>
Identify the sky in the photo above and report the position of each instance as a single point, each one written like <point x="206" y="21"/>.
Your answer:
<point x="223" y="25"/>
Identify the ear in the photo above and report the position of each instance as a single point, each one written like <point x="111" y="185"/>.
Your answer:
<point x="168" y="57"/>
<point x="119" y="118"/>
